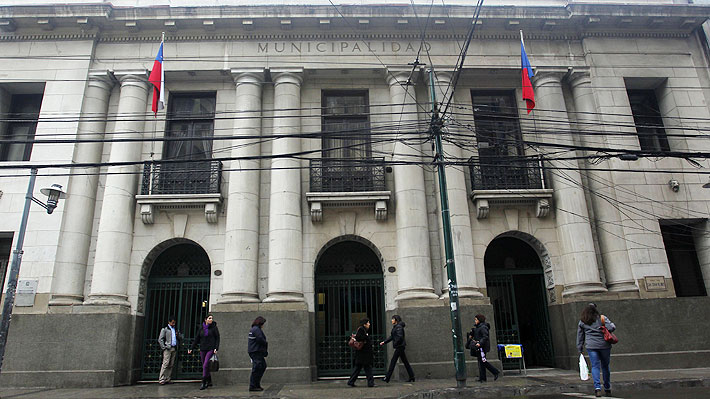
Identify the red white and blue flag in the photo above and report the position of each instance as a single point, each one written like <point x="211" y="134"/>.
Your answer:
<point x="528" y="93"/>
<point x="157" y="79"/>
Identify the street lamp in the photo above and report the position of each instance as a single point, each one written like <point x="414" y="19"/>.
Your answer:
<point x="54" y="194"/>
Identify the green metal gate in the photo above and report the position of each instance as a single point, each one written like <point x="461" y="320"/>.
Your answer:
<point x="179" y="285"/>
<point x="515" y="291"/>
<point x="341" y="302"/>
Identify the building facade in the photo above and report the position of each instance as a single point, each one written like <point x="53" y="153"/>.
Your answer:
<point x="291" y="175"/>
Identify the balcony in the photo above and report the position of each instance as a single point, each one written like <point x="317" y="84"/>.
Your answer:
<point x="180" y="185"/>
<point x="347" y="183"/>
<point x="511" y="181"/>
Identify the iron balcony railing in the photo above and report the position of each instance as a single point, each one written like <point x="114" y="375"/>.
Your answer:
<point x="347" y="175"/>
<point x="194" y="177"/>
<point x="506" y="173"/>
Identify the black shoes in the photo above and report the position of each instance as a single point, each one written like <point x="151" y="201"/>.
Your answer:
<point x="386" y="380"/>
<point x="204" y="384"/>
<point x="410" y="380"/>
<point x="257" y="389"/>
<point x="598" y="393"/>
<point x="607" y="392"/>
<point x="495" y="377"/>
<point x="371" y="385"/>
<point x="351" y="384"/>
<point x="209" y="381"/>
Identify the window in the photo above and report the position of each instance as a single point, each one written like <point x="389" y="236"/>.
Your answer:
<point x="346" y="127"/>
<point x="190" y="116"/>
<point x="648" y="120"/>
<point x="678" y="238"/>
<point x="21" y="125"/>
<point x="500" y="145"/>
<point x="495" y="115"/>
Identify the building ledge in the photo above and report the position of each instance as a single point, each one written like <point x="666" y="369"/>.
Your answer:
<point x="149" y="204"/>
<point x="484" y="199"/>
<point x="378" y="199"/>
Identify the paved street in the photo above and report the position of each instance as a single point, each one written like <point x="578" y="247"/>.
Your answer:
<point x="678" y="393"/>
<point x="539" y="384"/>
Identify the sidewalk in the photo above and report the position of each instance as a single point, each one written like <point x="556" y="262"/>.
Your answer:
<point x="538" y="382"/>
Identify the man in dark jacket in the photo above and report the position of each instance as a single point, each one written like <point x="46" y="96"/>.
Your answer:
<point x="258" y="350"/>
<point x="479" y="343"/>
<point x="398" y="343"/>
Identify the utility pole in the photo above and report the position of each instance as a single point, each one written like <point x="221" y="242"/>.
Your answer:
<point x="459" y="356"/>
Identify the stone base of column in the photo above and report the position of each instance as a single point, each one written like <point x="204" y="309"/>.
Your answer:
<point x="239" y="297"/>
<point x="416" y="293"/>
<point x="284" y="297"/>
<point x="464" y="292"/>
<point x="622" y="286"/>
<point x="66" y="300"/>
<point x="583" y="288"/>
<point x="108" y="300"/>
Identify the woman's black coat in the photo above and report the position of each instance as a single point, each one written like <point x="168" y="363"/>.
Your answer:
<point x="364" y="356"/>
<point x="479" y="334"/>
<point x="210" y="342"/>
<point x="397" y="336"/>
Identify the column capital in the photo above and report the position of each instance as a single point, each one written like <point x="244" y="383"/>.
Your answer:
<point x="287" y="75"/>
<point x="579" y="78"/>
<point x="102" y="79"/>
<point x="401" y="77"/>
<point x="248" y="75"/>
<point x="444" y="77"/>
<point x="134" y="77"/>
<point x="549" y="76"/>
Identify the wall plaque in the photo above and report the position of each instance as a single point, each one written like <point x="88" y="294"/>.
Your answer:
<point x="655" y="283"/>
<point x="26" y="290"/>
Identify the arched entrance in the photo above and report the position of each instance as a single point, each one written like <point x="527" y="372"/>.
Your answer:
<point x="516" y="287"/>
<point x="349" y="285"/>
<point x="178" y="285"/>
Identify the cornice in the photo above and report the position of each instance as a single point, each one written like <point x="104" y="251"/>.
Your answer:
<point x="132" y="38"/>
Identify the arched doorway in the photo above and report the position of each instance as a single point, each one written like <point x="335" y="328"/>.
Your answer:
<point x="349" y="285"/>
<point x="178" y="285"/>
<point x="516" y="287"/>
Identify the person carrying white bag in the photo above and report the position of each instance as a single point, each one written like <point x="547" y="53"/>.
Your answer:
<point x="583" y="369"/>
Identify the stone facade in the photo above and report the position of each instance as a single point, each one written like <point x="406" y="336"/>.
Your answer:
<point x="595" y="227"/>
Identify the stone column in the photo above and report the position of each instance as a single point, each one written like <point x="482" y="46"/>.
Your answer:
<point x="574" y="232"/>
<point x="241" y="245"/>
<point x="109" y="282"/>
<point x="413" y="256"/>
<point x="73" y="251"/>
<point x="458" y="207"/>
<point x="610" y="231"/>
<point x="702" y="248"/>
<point x="285" y="224"/>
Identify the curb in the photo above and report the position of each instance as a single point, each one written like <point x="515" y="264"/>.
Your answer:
<point x="552" y="388"/>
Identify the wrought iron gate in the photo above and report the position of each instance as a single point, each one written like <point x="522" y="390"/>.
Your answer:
<point x="507" y="303"/>
<point x="179" y="285"/>
<point x="341" y="301"/>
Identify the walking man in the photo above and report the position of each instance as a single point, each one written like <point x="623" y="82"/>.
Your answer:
<point x="168" y="341"/>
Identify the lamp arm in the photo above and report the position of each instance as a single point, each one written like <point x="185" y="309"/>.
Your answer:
<point x="40" y="203"/>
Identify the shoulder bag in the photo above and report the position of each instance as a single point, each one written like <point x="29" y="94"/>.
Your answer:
<point x="355" y="344"/>
<point x="608" y="335"/>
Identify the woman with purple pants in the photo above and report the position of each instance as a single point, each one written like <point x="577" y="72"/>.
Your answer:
<point x="207" y="339"/>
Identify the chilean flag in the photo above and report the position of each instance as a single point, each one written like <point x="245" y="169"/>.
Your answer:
<point x="157" y="79"/>
<point x="528" y="93"/>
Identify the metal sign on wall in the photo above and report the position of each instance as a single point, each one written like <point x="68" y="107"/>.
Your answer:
<point x="26" y="291"/>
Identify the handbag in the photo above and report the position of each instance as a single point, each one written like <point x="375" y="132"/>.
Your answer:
<point x="355" y="344"/>
<point x="608" y="335"/>
<point x="213" y="363"/>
